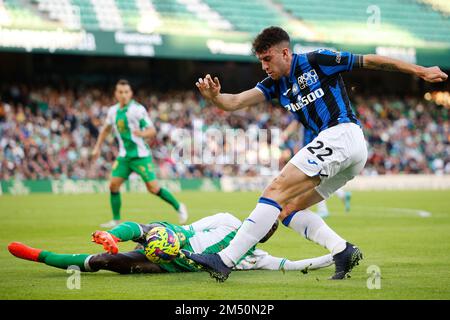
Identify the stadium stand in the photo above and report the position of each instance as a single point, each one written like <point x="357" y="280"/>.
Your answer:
<point x="48" y="133"/>
<point x="390" y="21"/>
<point x="345" y="20"/>
<point x="15" y="15"/>
<point x="249" y="16"/>
<point x="439" y="5"/>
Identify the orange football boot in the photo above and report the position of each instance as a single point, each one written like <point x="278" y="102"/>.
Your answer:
<point x="23" y="251"/>
<point x="108" y="241"/>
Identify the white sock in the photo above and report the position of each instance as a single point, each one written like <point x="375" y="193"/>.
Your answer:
<point x="312" y="227"/>
<point x="254" y="228"/>
<point x="322" y="207"/>
<point x="311" y="264"/>
<point x="340" y="193"/>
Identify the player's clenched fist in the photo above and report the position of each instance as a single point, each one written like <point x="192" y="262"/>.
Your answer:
<point x="208" y="87"/>
<point x="433" y="74"/>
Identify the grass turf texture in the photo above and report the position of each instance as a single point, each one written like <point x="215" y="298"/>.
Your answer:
<point x="412" y="252"/>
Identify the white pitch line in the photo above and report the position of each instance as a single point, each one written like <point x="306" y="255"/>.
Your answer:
<point x="420" y="213"/>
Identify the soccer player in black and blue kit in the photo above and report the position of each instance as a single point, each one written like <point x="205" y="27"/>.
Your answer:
<point x="310" y="86"/>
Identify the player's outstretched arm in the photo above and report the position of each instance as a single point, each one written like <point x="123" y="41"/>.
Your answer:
<point x="376" y="62"/>
<point x="210" y="90"/>
<point x="101" y="137"/>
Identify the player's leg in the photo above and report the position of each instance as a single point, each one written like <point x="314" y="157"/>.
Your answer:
<point x="305" y="265"/>
<point x="115" y="201"/>
<point x="322" y="209"/>
<point x="61" y="261"/>
<point x="345" y="197"/>
<point x="167" y="196"/>
<point x="290" y="183"/>
<point x="334" y="150"/>
<point x="120" y="172"/>
<point x="124" y="263"/>
<point x="145" y="168"/>
<point x="310" y="225"/>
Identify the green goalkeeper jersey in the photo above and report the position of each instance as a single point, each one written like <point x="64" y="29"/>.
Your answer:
<point x="209" y="235"/>
<point x="125" y="121"/>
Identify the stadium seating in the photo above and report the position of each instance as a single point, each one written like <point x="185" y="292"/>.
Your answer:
<point x="18" y="16"/>
<point x="406" y="135"/>
<point x="439" y="5"/>
<point x="412" y="22"/>
<point x="346" y="20"/>
<point x="250" y="16"/>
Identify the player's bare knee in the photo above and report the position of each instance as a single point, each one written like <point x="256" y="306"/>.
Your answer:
<point x="114" y="187"/>
<point x="153" y="189"/>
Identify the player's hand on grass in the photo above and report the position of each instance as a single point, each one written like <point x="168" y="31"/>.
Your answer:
<point x="108" y="241"/>
<point x="433" y="74"/>
<point x="208" y="87"/>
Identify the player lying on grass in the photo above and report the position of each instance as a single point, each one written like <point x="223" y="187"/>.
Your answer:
<point x="208" y="235"/>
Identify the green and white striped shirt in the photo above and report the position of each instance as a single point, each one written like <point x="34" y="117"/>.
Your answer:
<point x="125" y="121"/>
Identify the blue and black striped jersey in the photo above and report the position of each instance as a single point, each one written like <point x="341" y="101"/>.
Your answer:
<point x="314" y="91"/>
<point x="308" y="136"/>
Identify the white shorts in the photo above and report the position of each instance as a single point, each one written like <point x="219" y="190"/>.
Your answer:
<point x="337" y="155"/>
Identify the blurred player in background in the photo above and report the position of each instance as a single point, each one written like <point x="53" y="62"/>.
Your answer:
<point x="310" y="86"/>
<point x="132" y="127"/>
<point x="308" y="136"/>
<point x="209" y="234"/>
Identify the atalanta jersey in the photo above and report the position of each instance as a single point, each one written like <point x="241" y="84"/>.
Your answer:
<point x="314" y="91"/>
<point x="308" y="136"/>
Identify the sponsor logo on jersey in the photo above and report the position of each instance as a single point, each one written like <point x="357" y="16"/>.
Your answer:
<point x="303" y="101"/>
<point x="307" y="79"/>
<point x="121" y="125"/>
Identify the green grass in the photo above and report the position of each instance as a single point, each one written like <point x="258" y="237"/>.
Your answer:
<point x="412" y="252"/>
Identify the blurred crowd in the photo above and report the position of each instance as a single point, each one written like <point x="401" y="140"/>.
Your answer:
<point x="49" y="133"/>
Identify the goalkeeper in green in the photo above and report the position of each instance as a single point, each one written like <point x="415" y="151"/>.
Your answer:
<point x="207" y="235"/>
<point x="132" y="126"/>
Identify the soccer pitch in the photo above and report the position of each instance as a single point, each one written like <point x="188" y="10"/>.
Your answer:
<point x="393" y="229"/>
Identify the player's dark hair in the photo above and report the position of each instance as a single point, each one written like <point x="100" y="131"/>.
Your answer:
<point x="123" y="82"/>
<point x="268" y="38"/>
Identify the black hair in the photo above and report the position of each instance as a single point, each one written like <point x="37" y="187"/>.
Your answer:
<point x="268" y="38"/>
<point x="123" y="82"/>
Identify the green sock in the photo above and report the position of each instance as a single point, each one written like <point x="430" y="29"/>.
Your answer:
<point x="127" y="231"/>
<point x="168" y="197"/>
<point x="63" y="261"/>
<point x="116" y="203"/>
